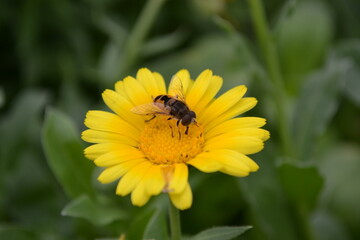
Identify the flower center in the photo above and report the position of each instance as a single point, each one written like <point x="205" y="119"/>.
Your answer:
<point x="165" y="143"/>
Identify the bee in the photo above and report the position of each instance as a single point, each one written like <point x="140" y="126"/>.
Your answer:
<point x="173" y="106"/>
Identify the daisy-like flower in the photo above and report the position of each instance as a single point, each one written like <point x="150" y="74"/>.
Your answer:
<point x="153" y="156"/>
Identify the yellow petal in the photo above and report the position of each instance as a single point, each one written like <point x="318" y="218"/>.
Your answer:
<point x="233" y="165"/>
<point x="199" y="88"/>
<point x="245" y="145"/>
<point x="179" y="178"/>
<point x="95" y="136"/>
<point x="245" y="104"/>
<point x="222" y="104"/>
<point x="190" y="85"/>
<point x="182" y="200"/>
<point x="160" y="82"/>
<point x="245" y="159"/>
<point x="154" y="180"/>
<point x="122" y="107"/>
<point x="136" y="92"/>
<point x="132" y="178"/>
<point x="139" y="197"/>
<point x="234" y="172"/>
<point x="109" y="122"/>
<point x="235" y="123"/>
<point x="213" y="88"/>
<point x="118" y="156"/>
<point x="184" y="76"/>
<point x="94" y="151"/>
<point x="119" y="88"/>
<point x="205" y="162"/>
<point x="259" y="133"/>
<point x="147" y="79"/>
<point x="113" y="173"/>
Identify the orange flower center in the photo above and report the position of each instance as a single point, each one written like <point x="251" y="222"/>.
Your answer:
<point x="165" y="143"/>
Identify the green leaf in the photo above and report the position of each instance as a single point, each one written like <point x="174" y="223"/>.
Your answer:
<point x="64" y="153"/>
<point x="352" y="87"/>
<point x="163" y="43"/>
<point x="350" y="49"/>
<point x="223" y="233"/>
<point x="217" y="52"/>
<point x="139" y="223"/>
<point x="317" y="104"/>
<point x="266" y="200"/>
<point x="110" y="58"/>
<point x="96" y="212"/>
<point x="20" y="125"/>
<point x="303" y="38"/>
<point x="326" y="226"/>
<point x="302" y="184"/>
<point x="156" y="228"/>
<point x="340" y="167"/>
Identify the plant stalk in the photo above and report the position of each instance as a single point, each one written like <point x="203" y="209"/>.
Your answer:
<point x="271" y="58"/>
<point x="137" y="36"/>
<point x="270" y="55"/>
<point x="175" y="226"/>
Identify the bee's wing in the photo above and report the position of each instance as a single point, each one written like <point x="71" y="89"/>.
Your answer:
<point x="176" y="88"/>
<point x="150" y="108"/>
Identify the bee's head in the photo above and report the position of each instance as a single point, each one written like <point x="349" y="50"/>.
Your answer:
<point x="188" y="118"/>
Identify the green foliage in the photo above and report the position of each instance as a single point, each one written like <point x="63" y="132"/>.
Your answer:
<point x="303" y="37"/>
<point x="156" y="228"/>
<point x="302" y="184"/>
<point x="58" y="56"/>
<point x="97" y="212"/>
<point x="7" y="232"/>
<point x="224" y="233"/>
<point x="267" y="202"/>
<point x="317" y="104"/>
<point x="64" y="153"/>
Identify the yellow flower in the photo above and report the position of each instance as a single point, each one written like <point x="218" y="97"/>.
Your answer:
<point x="153" y="156"/>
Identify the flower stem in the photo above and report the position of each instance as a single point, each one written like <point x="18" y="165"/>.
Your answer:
<point x="175" y="226"/>
<point x="269" y="51"/>
<point x="273" y="67"/>
<point x="305" y="224"/>
<point x="137" y="36"/>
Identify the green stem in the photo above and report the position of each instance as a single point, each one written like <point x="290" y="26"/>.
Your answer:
<point x="269" y="51"/>
<point x="175" y="226"/>
<point x="137" y="35"/>
<point x="273" y="67"/>
<point x="301" y="215"/>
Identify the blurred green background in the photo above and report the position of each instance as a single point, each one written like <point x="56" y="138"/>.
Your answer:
<point x="58" y="56"/>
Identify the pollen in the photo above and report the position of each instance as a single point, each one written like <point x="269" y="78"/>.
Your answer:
<point x="163" y="142"/>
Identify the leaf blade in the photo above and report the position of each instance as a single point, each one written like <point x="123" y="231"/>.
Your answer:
<point x="95" y="212"/>
<point x="224" y="233"/>
<point x="64" y="154"/>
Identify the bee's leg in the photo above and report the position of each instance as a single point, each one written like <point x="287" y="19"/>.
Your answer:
<point x="196" y="124"/>
<point x="187" y="130"/>
<point x="169" y="118"/>
<point x="154" y="116"/>
<point x="172" y="131"/>
<point x="177" y="123"/>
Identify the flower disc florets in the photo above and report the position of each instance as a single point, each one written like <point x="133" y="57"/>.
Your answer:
<point x="163" y="142"/>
